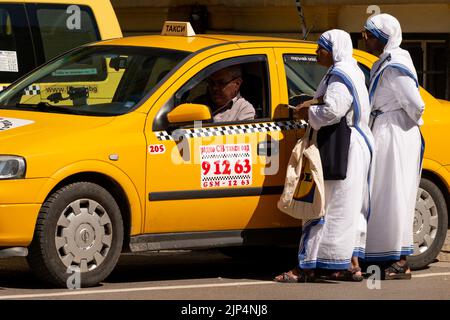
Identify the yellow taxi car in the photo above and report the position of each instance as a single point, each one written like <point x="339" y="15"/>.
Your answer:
<point x="140" y="166"/>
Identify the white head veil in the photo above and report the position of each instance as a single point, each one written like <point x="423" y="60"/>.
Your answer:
<point x="345" y="67"/>
<point x="339" y="43"/>
<point x="387" y="30"/>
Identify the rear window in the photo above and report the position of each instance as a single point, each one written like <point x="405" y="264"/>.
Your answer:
<point x="62" y="28"/>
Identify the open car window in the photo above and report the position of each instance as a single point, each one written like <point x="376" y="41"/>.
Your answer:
<point x="254" y="88"/>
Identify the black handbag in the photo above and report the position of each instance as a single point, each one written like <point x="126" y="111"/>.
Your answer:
<point x="334" y="142"/>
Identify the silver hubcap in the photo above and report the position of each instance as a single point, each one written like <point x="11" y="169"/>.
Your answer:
<point x="425" y="222"/>
<point x="83" y="235"/>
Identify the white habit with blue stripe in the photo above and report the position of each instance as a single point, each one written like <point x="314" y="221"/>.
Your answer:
<point x="330" y="243"/>
<point x="395" y="96"/>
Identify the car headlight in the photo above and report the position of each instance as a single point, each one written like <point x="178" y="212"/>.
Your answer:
<point x="12" y="167"/>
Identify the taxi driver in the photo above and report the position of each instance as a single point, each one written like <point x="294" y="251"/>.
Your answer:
<point x="224" y="96"/>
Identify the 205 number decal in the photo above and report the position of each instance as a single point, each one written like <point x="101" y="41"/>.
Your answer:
<point x="156" y="148"/>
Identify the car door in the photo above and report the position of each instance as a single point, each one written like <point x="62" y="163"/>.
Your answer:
<point x="219" y="176"/>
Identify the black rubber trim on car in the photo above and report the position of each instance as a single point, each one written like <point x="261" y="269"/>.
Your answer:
<point x="212" y="239"/>
<point x="219" y="193"/>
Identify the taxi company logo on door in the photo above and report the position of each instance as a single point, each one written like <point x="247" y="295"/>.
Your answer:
<point x="226" y="165"/>
<point x="231" y="150"/>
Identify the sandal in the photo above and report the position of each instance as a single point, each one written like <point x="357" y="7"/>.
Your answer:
<point x="294" y="276"/>
<point x="347" y="275"/>
<point x="286" y="277"/>
<point x="397" y="271"/>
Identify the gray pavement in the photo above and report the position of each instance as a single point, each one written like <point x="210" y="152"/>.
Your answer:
<point x="205" y="275"/>
<point x="445" y="252"/>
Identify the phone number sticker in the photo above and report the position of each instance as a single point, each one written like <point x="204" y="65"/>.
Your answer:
<point x="226" y="165"/>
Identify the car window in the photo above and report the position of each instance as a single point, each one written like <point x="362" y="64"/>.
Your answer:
<point x="254" y="88"/>
<point x="16" y="52"/>
<point x="32" y="34"/>
<point x="59" y="28"/>
<point x="303" y="76"/>
<point x="131" y="73"/>
<point x="62" y="28"/>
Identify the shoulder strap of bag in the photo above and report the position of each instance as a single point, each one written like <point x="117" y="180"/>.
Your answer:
<point x="312" y="137"/>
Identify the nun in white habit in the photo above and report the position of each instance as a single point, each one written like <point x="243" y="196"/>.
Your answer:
<point x="397" y="110"/>
<point x="336" y="241"/>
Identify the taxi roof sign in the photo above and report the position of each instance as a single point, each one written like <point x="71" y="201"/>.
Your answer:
<point x="177" y="28"/>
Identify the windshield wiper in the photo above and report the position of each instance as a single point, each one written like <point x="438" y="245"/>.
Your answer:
<point x="47" y="107"/>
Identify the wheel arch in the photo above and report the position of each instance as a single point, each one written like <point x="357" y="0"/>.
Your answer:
<point x="111" y="178"/>
<point x="113" y="188"/>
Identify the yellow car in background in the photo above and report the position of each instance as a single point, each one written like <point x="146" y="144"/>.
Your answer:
<point x="33" y="32"/>
<point x="139" y="166"/>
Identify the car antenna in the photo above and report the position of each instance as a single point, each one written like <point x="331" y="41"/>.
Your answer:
<point x="305" y="30"/>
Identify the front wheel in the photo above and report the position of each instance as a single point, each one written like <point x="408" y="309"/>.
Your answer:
<point x="430" y="224"/>
<point x="78" y="236"/>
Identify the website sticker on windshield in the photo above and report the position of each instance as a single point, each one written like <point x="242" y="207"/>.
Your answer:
<point x="226" y="165"/>
<point x="11" y="123"/>
<point x="8" y="61"/>
<point x="299" y="58"/>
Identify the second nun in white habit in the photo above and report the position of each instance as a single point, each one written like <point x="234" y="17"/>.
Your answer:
<point x="397" y="110"/>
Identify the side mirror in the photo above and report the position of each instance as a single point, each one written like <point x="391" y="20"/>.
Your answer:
<point x="189" y="112"/>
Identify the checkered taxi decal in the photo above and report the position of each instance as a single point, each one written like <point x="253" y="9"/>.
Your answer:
<point x="32" y="90"/>
<point x="233" y="129"/>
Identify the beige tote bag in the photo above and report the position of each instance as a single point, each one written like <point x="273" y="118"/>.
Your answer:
<point x="304" y="195"/>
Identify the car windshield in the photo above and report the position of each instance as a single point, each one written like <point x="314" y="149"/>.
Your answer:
<point x="94" y="80"/>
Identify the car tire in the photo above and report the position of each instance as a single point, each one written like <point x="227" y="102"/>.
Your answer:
<point x="78" y="237"/>
<point x="430" y="224"/>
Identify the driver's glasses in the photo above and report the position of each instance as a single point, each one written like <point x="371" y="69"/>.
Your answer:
<point x="218" y="83"/>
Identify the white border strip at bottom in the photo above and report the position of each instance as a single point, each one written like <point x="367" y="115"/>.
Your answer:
<point x="86" y="292"/>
